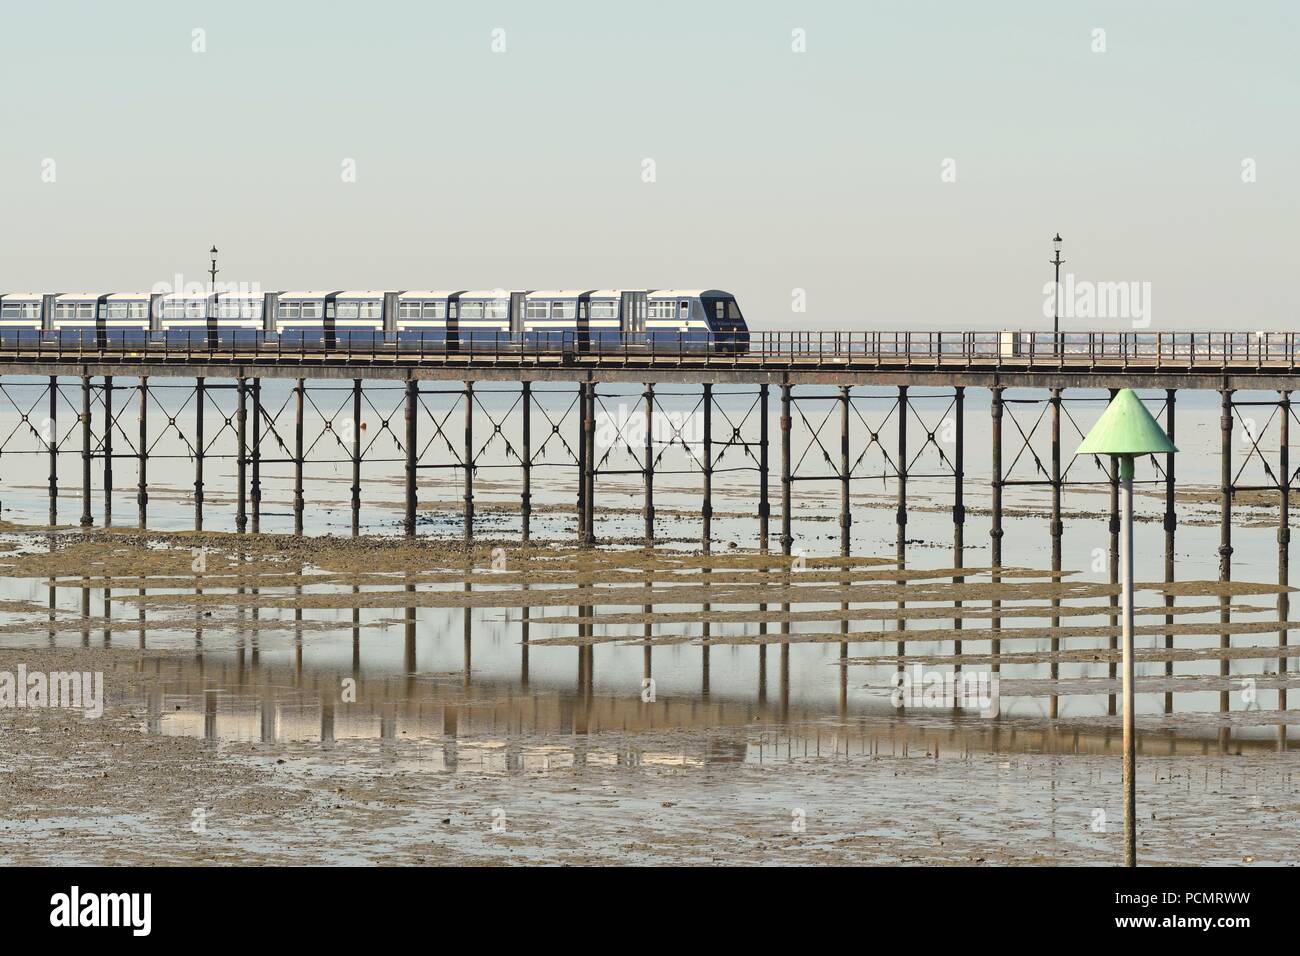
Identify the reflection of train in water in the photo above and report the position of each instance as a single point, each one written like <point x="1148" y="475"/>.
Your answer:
<point x="566" y="319"/>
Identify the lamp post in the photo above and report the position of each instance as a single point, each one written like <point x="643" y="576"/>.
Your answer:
<point x="212" y="272"/>
<point x="1126" y="429"/>
<point x="1057" y="344"/>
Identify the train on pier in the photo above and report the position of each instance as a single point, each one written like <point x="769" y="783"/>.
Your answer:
<point x="590" y="320"/>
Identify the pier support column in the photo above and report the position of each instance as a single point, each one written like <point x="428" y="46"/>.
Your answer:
<point x="901" y="517"/>
<point x="995" y="529"/>
<point x="198" y="452"/>
<point x="582" y="464"/>
<point x="107" y="445"/>
<point x="1171" y="523"/>
<point x="241" y="459"/>
<point x="86" y="518"/>
<point x="764" y="505"/>
<point x="787" y="539"/>
<point x="299" y="505"/>
<point x="1225" y="532"/>
<point x="52" y="443"/>
<point x="707" y="512"/>
<point x="1283" y="546"/>
<point x="142" y="455"/>
<point x="1054" y="669"/>
<point x="412" y="410"/>
<point x="589" y="457"/>
<point x="255" y="492"/>
<point x="469" y="462"/>
<point x="1112" y="567"/>
<point x="526" y="463"/>
<point x="846" y="516"/>
<point x="959" y="504"/>
<point x="649" y="451"/>
<point x="356" y="457"/>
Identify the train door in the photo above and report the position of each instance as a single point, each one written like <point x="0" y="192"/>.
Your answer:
<point x="517" y="317"/>
<point x="584" y="322"/>
<point x="632" y="311"/>
<point x="453" y="322"/>
<point x="329" y="325"/>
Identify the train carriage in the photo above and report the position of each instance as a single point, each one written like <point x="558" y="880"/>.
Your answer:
<point x="486" y="318"/>
<point x="237" y="319"/>
<point x="357" y="319"/>
<point x="22" y="317"/>
<point x="75" y="319"/>
<point x="424" y="317"/>
<point x="695" y="318"/>
<point x="182" y="319"/>
<point x="125" y="318"/>
<point x="300" y="318"/>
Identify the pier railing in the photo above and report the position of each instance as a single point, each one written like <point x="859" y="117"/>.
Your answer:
<point x="895" y="349"/>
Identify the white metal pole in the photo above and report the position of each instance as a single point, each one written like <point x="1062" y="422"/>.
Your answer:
<point x="1126" y="578"/>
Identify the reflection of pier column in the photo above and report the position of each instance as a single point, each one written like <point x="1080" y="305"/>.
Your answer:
<point x="107" y="445"/>
<point x="995" y="531"/>
<point x="469" y="462"/>
<point x="846" y="518"/>
<point x="255" y="492"/>
<point x="648" y="512"/>
<point x="326" y="722"/>
<point x="1171" y="522"/>
<point x="1225" y="533"/>
<point x="86" y="518"/>
<point x="1283" y="550"/>
<point x="526" y="463"/>
<point x="707" y="511"/>
<point x="142" y="454"/>
<point x="299" y="504"/>
<point x="241" y="458"/>
<point x="199" y="395"/>
<point x="764" y="507"/>
<point x="412" y="408"/>
<point x="1054" y="668"/>
<point x="52" y="443"/>
<point x="959" y="505"/>
<point x="786" y="538"/>
<point x="356" y="457"/>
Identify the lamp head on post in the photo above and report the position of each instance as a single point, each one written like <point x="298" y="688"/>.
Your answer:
<point x="1056" y="243"/>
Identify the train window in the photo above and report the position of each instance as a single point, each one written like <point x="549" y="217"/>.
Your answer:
<point x="408" y="310"/>
<point x="683" y="309"/>
<point x="662" y="310"/>
<point x="497" y="309"/>
<point x="733" y="311"/>
<point x="537" y="310"/>
<point x="311" y="310"/>
<point x="471" y="310"/>
<point x="372" y="309"/>
<point x="289" y="310"/>
<point x="563" y="310"/>
<point x="607" y="309"/>
<point x="348" y="310"/>
<point x="435" y="310"/>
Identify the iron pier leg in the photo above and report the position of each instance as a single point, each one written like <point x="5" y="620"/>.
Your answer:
<point x="764" y="506"/>
<point x="846" y="517"/>
<point x="1171" y="522"/>
<point x="53" y="445"/>
<point x="526" y="462"/>
<point x="1056" y="529"/>
<point x="299" y="504"/>
<point x="1225" y="533"/>
<point x="959" y="506"/>
<point x="1283" y="549"/>
<point x="787" y="540"/>
<point x="995" y="531"/>
<point x="649" y="450"/>
<point x="412" y="401"/>
<point x="589" y="456"/>
<point x="255" y="493"/>
<point x="198" y="453"/>
<point x="108" y="450"/>
<point x="142" y="487"/>
<point x="582" y="463"/>
<point x="707" y="532"/>
<point x="241" y="460"/>
<point x="469" y="462"/>
<point x="86" y="518"/>
<point x="356" y="457"/>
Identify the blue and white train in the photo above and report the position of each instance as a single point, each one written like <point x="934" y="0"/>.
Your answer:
<point x="454" y="320"/>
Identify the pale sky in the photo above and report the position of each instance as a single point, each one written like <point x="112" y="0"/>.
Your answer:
<point x="774" y="170"/>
